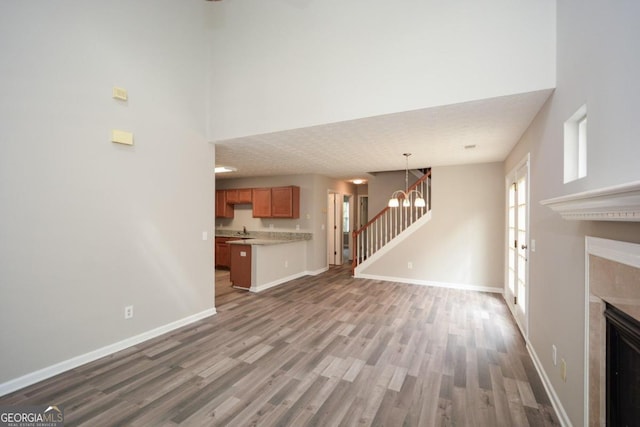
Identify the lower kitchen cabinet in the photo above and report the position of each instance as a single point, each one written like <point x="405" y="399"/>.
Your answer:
<point x="222" y="252"/>
<point x="241" y="266"/>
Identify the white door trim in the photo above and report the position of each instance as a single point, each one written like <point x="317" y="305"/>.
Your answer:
<point x="509" y="179"/>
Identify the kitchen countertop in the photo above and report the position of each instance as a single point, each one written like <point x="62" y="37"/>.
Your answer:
<point x="262" y="242"/>
<point x="262" y="237"/>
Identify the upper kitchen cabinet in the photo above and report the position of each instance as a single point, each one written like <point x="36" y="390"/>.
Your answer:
<point x="262" y="202"/>
<point x="285" y="202"/>
<point x="276" y="202"/>
<point x="239" y="196"/>
<point x="223" y="209"/>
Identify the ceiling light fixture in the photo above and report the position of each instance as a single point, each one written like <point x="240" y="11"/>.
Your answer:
<point x="223" y="169"/>
<point x="358" y="181"/>
<point x="394" y="201"/>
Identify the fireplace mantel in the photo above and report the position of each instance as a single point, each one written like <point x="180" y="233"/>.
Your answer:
<point x="616" y="203"/>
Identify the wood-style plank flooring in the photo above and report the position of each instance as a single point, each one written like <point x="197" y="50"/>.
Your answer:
<point x="324" y="350"/>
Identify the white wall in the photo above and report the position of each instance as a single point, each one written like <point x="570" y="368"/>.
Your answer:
<point x="89" y="226"/>
<point x="598" y="63"/>
<point x="313" y="210"/>
<point x="288" y="64"/>
<point x="275" y="264"/>
<point x="463" y="242"/>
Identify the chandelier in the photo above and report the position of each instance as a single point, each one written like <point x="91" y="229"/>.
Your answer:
<point x="405" y="195"/>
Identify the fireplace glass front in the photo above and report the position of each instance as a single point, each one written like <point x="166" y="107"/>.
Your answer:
<point x="623" y="368"/>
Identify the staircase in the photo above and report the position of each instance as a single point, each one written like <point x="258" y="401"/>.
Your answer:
<point x="390" y="223"/>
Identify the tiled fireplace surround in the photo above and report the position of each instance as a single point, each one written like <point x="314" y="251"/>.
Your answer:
<point x="613" y="276"/>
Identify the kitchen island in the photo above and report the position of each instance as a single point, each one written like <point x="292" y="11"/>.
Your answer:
<point x="260" y="261"/>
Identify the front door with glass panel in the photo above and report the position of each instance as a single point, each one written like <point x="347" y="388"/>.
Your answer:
<point x="516" y="290"/>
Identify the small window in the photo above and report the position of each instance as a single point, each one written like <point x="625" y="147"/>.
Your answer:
<point x="575" y="146"/>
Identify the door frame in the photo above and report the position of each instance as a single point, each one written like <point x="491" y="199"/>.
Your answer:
<point x="334" y="210"/>
<point x="352" y="224"/>
<point x="359" y="222"/>
<point x="509" y="179"/>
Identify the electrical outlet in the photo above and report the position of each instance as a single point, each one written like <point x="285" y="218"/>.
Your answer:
<point x="205" y="235"/>
<point x="128" y="312"/>
<point x="409" y="265"/>
<point x="554" y="354"/>
<point x="286" y="264"/>
<point x="563" y="370"/>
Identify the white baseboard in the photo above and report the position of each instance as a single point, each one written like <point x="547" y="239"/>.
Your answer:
<point x="318" y="271"/>
<point x="50" y="371"/>
<point x="287" y="279"/>
<point x="551" y="392"/>
<point x="498" y="289"/>
<point x="277" y="282"/>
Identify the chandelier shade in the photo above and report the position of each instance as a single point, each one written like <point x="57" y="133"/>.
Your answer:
<point x="405" y="196"/>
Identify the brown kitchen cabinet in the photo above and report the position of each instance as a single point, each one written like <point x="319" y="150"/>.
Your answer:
<point x="223" y="209"/>
<point x="262" y="202"/>
<point x="239" y="196"/>
<point x="241" y="266"/>
<point x="285" y="202"/>
<point x="223" y="253"/>
<point x="276" y="202"/>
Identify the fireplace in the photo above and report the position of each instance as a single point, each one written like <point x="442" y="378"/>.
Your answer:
<point x="612" y="368"/>
<point x="623" y="368"/>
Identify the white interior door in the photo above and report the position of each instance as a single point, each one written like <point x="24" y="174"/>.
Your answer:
<point x="347" y="227"/>
<point x="334" y="229"/>
<point x="517" y="245"/>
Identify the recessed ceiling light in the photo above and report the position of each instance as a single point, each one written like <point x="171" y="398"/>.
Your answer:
<point x="223" y="169"/>
<point x="470" y="147"/>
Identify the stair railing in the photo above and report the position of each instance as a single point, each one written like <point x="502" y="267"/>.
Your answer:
<point x="389" y="223"/>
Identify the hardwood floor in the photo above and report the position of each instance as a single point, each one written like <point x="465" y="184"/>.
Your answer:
<point x="223" y="285"/>
<point x="325" y="350"/>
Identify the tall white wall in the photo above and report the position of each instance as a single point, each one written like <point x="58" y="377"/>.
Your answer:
<point x="463" y="242"/>
<point x="287" y="64"/>
<point x="87" y="226"/>
<point x="598" y="63"/>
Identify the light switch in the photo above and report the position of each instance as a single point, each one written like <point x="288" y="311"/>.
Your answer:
<point x="119" y="93"/>
<point x="121" y="137"/>
<point x="205" y="235"/>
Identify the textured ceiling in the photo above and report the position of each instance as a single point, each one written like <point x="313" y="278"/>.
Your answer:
<point x="354" y="149"/>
